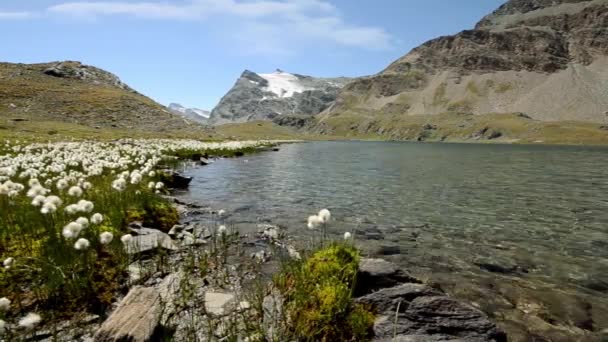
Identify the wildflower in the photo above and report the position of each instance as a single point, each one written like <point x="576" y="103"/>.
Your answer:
<point x="136" y="177"/>
<point x="33" y="182"/>
<point x="151" y="185"/>
<point x="75" y="191"/>
<point x="29" y="321"/>
<point x="314" y="222"/>
<point x="119" y="185"/>
<point x="97" y="218"/>
<point x="152" y="174"/>
<point x="36" y="190"/>
<point x="105" y="238"/>
<point x="5" y="304"/>
<point x="222" y="212"/>
<point x="347" y="236"/>
<point x="2" y="327"/>
<point x="293" y="253"/>
<point x="159" y="185"/>
<point x="325" y="215"/>
<point x="82" y="244"/>
<point x="85" y="206"/>
<point x="72" y="209"/>
<point x="83" y="221"/>
<point x="126" y="238"/>
<point x="71" y="230"/>
<point x="13" y="194"/>
<point x="61" y="184"/>
<point x="54" y="200"/>
<point x="8" y="263"/>
<point x="221" y="230"/>
<point x="48" y="208"/>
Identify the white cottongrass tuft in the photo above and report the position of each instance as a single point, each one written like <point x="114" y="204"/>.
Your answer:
<point x="75" y="191"/>
<point x="244" y="305"/>
<point x="159" y="185"/>
<point x="97" y="218"/>
<point x="348" y="236"/>
<point x="2" y="327"/>
<point x="314" y="222"/>
<point x="72" y="230"/>
<point x="324" y="215"/>
<point x="48" y="208"/>
<point x="152" y="174"/>
<point x="62" y="184"/>
<point x="126" y="238"/>
<point x="105" y="238"/>
<point x="82" y="244"/>
<point x="221" y="230"/>
<point x="85" y="206"/>
<point x="5" y="304"/>
<point x="30" y="321"/>
<point x="8" y="263"/>
<point x="119" y="185"/>
<point x="38" y="200"/>
<point x="83" y="221"/>
<point x="151" y="185"/>
<point x="222" y="212"/>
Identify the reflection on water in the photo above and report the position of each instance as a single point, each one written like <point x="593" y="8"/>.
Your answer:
<point x="445" y="207"/>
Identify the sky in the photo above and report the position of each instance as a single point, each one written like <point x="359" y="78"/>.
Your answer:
<point x="192" y="51"/>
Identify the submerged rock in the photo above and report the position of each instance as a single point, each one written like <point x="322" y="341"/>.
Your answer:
<point x="375" y="274"/>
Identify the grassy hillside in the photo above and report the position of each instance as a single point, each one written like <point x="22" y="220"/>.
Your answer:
<point x="73" y="93"/>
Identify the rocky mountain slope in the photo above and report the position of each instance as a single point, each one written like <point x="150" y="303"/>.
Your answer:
<point x="545" y="58"/>
<point x="74" y="93"/>
<point x="194" y="114"/>
<point x="266" y="96"/>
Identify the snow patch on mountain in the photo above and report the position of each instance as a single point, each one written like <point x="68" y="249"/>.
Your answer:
<point x="194" y="114"/>
<point x="283" y="84"/>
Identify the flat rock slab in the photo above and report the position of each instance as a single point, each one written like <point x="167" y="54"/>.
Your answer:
<point x="135" y="319"/>
<point x="387" y="300"/>
<point x="437" y="318"/>
<point x="149" y="239"/>
<point x="376" y="274"/>
<point x="216" y="303"/>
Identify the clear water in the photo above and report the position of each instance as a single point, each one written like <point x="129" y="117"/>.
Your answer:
<point x="445" y="207"/>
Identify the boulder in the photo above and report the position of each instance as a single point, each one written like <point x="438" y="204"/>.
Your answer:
<point x="217" y="303"/>
<point x="149" y="239"/>
<point x="437" y="318"/>
<point x="387" y="300"/>
<point x="136" y="318"/>
<point x="376" y="274"/>
<point x="177" y="181"/>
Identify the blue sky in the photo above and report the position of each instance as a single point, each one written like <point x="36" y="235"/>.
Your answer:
<point x="192" y="51"/>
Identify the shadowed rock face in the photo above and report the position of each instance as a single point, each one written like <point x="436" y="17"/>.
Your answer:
<point x="266" y="97"/>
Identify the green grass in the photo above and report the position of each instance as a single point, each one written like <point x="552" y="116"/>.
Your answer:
<point x="318" y="296"/>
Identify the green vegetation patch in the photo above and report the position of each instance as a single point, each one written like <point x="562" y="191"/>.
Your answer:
<point x="318" y="294"/>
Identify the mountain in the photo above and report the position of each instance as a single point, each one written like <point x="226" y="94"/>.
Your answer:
<point x="266" y="96"/>
<point x="73" y="93"/>
<point x="194" y="114"/>
<point x="530" y="60"/>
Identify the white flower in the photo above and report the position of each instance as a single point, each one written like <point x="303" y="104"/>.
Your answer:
<point x="105" y="238"/>
<point x="5" y="304"/>
<point x="85" y="206"/>
<point x="97" y="218"/>
<point x="159" y="185"/>
<point x="119" y="185"/>
<point x="2" y="327"/>
<point x="83" y="221"/>
<point x="151" y="185"/>
<point x="221" y="230"/>
<point x="87" y="185"/>
<point x="71" y="230"/>
<point x="314" y="222"/>
<point x="32" y="182"/>
<point x="30" y="321"/>
<point x="72" y="209"/>
<point x="62" y="184"/>
<point x="347" y="236"/>
<point x="82" y="244"/>
<point x="151" y="174"/>
<point x="325" y="215"/>
<point x="222" y="212"/>
<point x="48" y="208"/>
<point x="75" y="191"/>
<point x="36" y="190"/>
<point x="8" y="263"/>
<point x="293" y="253"/>
<point x="136" y="177"/>
<point x="126" y="238"/>
<point x="56" y="201"/>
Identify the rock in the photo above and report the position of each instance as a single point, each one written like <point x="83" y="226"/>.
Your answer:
<point x="387" y="300"/>
<point x="136" y="318"/>
<point x="151" y="240"/>
<point x="201" y="232"/>
<point x="204" y="161"/>
<point x="176" y="229"/>
<point x="375" y="274"/>
<point x="272" y="305"/>
<point x="388" y="250"/>
<point x="178" y="181"/>
<point x="495" y="268"/>
<point x="217" y="303"/>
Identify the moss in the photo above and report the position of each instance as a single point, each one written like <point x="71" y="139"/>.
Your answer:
<point x="159" y="215"/>
<point x="318" y="295"/>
